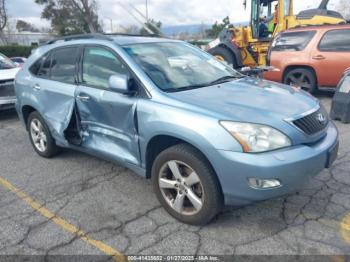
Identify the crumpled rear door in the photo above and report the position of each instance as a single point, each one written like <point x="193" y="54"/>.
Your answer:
<point x="57" y="104"/>
<point x="55" y="88"/>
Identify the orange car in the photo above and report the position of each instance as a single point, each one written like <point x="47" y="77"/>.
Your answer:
<point x="310" y="57"/>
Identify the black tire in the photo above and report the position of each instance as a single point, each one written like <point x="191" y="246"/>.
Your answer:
<point x="212" y="195"/>
<point x="51" y="149"/>
<point x="221" y="52"/>
<point x="301" y="77"/>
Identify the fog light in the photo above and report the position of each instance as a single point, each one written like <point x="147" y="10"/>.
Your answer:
<point x="263" y="183"/>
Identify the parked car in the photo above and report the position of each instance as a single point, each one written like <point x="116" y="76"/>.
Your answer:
<point x="19" y="60"/>
<point x="205" y="134"/>
<point x="311" y="57"/>
<point x="8" y="71"/>
<point x="340" y="109"/>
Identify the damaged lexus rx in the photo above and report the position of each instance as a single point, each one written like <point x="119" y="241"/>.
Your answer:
<point x="206" y="135"/>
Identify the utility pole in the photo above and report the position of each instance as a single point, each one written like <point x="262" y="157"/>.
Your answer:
<point x="111" y="23"/>
<point x="147" y="10"/>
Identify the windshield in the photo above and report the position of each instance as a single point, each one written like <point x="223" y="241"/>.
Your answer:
<point x="179" y="66"/>
<point x="6" y="63"/>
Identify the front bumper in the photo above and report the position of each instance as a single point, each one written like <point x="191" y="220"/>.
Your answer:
<point x="7" y="102"/>
<point x="292" y="167"/>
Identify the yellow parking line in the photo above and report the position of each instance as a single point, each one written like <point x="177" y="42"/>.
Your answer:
<point x="63" y="223"/>
<point x="345" y="228"/>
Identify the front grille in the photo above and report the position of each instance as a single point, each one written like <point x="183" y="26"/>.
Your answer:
<point x="313" y="123"/>
<point x="7" y="88"/>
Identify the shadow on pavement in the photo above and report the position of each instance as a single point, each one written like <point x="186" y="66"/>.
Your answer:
<point x="324" y="94"/>
<point x="9" y="114"/>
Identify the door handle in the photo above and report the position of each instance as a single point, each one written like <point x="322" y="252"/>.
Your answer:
<point x="318" y="57"/>
<point x="83" y="98"/>
<point x="37" y="87"/>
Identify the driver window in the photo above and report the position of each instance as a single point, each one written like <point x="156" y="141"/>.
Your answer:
<point x="99" y="64"/>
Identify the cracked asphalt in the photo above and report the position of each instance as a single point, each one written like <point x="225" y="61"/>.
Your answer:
<point x="117" y="207"/>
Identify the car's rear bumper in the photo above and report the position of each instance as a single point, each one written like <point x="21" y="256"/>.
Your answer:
<point x="292" y="167"/>
<point x="7" y="102"/>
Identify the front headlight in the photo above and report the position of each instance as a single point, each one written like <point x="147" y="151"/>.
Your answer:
<point x="255" y="138"/>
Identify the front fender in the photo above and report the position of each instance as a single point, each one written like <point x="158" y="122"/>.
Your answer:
<point x="202" y="131"/>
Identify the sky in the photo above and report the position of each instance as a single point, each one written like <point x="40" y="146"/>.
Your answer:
<point x="170" y="12"/>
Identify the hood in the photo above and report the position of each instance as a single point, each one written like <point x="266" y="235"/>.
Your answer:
<point x="7" y="74"/>
<point x="250" y="100"/>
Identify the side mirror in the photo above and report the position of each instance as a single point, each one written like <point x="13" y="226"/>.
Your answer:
<point x="119" y="83"/>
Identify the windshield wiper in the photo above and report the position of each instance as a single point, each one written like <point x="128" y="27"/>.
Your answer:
<point x="183" y="88"/>
<point x="223" y="79"/>
<point x="189" y="87"/>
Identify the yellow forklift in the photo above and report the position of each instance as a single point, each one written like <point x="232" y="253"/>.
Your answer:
<point x="247" y="46"/>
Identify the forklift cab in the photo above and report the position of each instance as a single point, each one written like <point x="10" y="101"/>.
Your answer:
<point x="266" y="15"/>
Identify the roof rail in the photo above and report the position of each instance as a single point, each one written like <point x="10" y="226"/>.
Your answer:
<point x="126" y="34"/>
<point x="79" y="37"/>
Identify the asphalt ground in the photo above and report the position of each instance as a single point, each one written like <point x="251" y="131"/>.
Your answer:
<point x="76" y="204"/>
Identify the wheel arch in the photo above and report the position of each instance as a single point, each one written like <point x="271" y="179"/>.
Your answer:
<point x="159" y="143"/>
<point x="26" y="110"/>
<point x="292" y="67"/>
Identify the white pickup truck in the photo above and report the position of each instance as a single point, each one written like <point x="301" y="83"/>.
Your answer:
<point x="8" y="71"/>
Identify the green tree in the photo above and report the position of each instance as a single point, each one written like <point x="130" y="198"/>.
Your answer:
<point x="153" y="26"/>
<point x="217" y="27"/>
<point x="25" y="26"/>
<point x="71" y="16"/>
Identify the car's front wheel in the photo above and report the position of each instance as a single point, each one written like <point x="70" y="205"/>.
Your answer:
<point x="40" y="136"/>
<point x="186" y="185"/>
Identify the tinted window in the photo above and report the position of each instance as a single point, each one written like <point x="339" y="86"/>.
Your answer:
<point x="44" y="70"/>
<point x="34" y="69"/>
<point x="63" y="63"/>
<point x="336" y="40"/>
<point x="292" y="41"/>
<point x="98" y="65"/>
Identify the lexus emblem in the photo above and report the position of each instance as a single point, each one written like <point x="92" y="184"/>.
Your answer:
<point x="321" y="118"/>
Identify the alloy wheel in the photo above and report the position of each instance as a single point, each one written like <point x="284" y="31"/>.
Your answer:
<point x="299" y="79"/>
<point x="181" y="187"/>
<point x="38" y="135"/>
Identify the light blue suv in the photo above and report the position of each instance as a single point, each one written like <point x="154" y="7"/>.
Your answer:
<point x="205" y="134"/>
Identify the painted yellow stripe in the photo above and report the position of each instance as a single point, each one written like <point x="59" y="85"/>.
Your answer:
<point x="63" y="223"/>
<point x="345" y="228"/>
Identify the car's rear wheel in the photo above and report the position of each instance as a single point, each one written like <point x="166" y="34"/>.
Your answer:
<point x="186" y="185"/>
<point x="301" y="77"/>
<point x="40" y="136"/>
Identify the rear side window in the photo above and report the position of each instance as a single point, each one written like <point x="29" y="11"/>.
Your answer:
<point x="44" y="70"/>
<point x="63" y="64"/>
<point x="34" y="69"/>
<point x="292" y="41"/>
<point x="335" y="40"/>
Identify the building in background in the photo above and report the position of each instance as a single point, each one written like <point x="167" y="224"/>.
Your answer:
<point x="20" y="32"/>
<point x="25" y="38"/>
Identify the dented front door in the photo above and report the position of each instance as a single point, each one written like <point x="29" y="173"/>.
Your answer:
<point x="108" y="123"/>
<point x="107" y="119"/>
